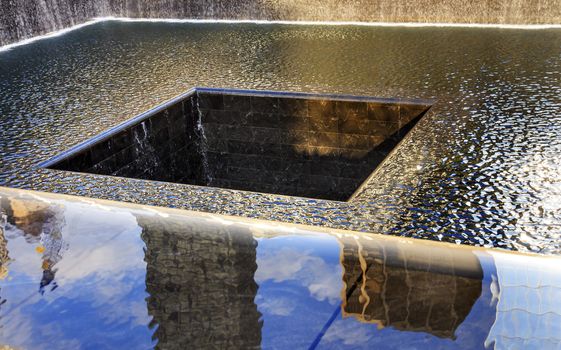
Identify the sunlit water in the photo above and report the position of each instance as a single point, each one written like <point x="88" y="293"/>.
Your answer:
<point x="483" y="168"/>
<point x="77" y="275"/>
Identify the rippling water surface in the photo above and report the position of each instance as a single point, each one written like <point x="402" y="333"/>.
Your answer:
<point x="483" y="168"/>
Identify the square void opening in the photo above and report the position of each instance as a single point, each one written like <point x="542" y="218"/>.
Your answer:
<point x="305" y="145"/>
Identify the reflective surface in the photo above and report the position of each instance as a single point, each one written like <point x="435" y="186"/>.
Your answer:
<point x="482" y="168"/>
<point x="91" y="275"/>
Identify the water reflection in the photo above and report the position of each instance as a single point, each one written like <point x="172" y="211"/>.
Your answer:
<point x="143" y="278"/>
<point x="482" y="169"/>
<point x="40" y="224"/>
<point x="99" y="273"/>
<point x="201" y="286"/>
<point x="409" y="291"/>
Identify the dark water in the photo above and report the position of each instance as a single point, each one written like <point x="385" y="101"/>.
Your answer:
<point x="482" y="169"/>
<point x="79" y="275"/>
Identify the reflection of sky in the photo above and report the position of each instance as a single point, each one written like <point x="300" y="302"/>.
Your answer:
<point x="99" y="302"/>
<point x="100" y="299"/>
<point x="300" y="283"/>
<point x="528" y="307"/>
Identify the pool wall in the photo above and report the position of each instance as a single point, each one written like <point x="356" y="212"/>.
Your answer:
<point x="296" y="144"/>
<point x="159" y="144"/>
<point x="24" y="19"/>
<point x="310" y="146"/>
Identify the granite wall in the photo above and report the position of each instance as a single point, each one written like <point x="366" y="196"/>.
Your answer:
<point x="20" y="19"/>
<point x="164" y="147"/>
<point x="308" y="147"/>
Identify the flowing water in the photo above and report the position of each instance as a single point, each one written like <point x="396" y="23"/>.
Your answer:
<point x="202" y="149"/>
<point x="483" y="168"/>
<point x="24" y="19"/>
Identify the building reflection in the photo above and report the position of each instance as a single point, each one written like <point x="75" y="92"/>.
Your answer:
<point x="200" y="280"/>
<point x="407" y="289"/>
<point x="40" y="223"/>
<point x="200" y="284"/>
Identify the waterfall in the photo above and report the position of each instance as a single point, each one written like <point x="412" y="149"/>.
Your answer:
<point x="203" y="144"/>
<point x="146" y="152"/>
<point x="24" y="19"/>
<point x="21" y="19"/>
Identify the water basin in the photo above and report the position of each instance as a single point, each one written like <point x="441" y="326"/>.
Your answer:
<point x="317" y="146"/>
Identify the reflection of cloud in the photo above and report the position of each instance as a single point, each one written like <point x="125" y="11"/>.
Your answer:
<point x="288" y="264"/>
<point x="134" y="312"/>
<point x="53" y="330"/>
<point x="100" y="243"/>
<point x="19" y="329"/>
<point x="277" y="306"/>
<point x="349" y="333"/>
<point x="23" y="257"/>
<point x="101" y="274"/>
<point x="105" y="246"/>
<point x="105" y="261"/>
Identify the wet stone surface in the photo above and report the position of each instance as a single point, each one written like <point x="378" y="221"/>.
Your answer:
<point x="481" y="168"/>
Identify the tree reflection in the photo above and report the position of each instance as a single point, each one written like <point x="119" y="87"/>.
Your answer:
<point x="40" y="223"/>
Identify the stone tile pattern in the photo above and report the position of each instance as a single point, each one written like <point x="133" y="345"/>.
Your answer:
<point x="299" y="146"/>
<point x="201" y="285"/>
<point x="390" y="288"/>
<point x="294" y="146"/>
<point x="163" y="147"/>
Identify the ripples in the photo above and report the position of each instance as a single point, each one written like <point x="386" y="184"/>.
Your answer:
<point x="482" y="168"/>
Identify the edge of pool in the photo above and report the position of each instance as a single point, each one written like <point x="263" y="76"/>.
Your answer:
<point x="261" y="224"/>
<point x="279" y="22"/>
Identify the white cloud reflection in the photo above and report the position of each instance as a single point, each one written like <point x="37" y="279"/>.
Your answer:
<point x="349" y="333"/>
<point x="322" y="280"/>
<point x="101" y="273"/>
<point x="279" y="306"/>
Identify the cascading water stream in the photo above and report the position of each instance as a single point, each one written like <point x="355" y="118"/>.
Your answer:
<point x="146" y="151"/>
<point x="202" y="144"/>
<point x="24" y="19"/>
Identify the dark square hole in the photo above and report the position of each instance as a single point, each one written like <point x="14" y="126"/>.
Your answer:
<point x="292" y="144"/>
